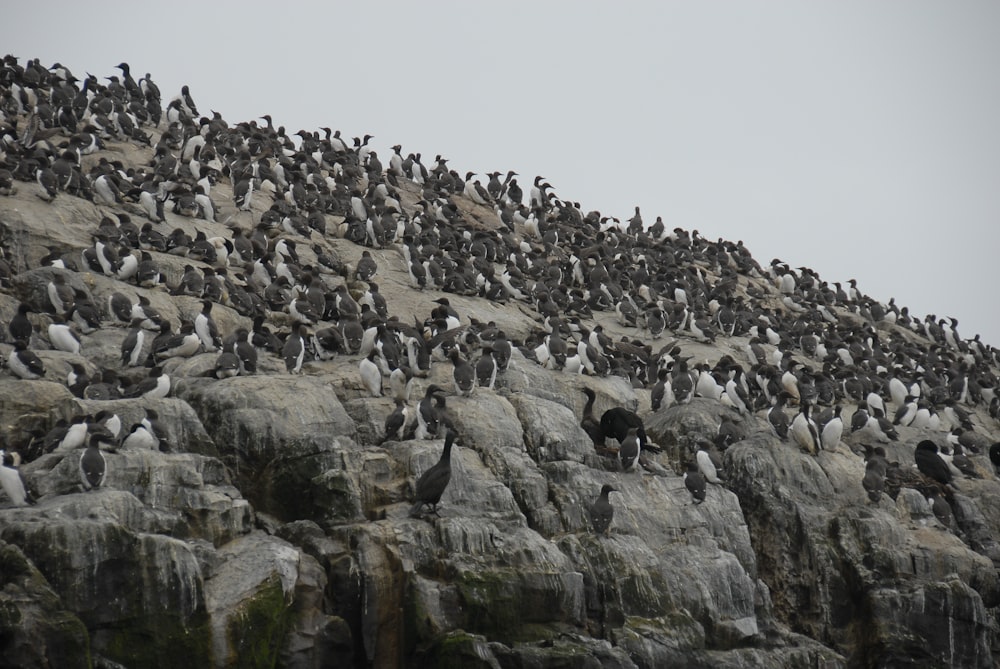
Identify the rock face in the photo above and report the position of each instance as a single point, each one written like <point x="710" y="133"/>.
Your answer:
<point x="271" y="526"/>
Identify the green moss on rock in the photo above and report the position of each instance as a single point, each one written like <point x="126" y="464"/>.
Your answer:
<point x="256" y="629"/>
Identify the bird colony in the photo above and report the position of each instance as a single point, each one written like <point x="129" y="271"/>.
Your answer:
<point x="217" y="250"/>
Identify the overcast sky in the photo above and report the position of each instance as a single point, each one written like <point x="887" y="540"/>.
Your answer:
<point x="861" y="139"/>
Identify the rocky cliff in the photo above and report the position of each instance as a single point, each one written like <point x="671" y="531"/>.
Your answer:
<point x="271" y="523"/>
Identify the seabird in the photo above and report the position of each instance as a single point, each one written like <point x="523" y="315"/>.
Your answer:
<point x="24" y="363"/>
<point x="93" y="466"/>
<point x="432" y="483"/>
<point x="930" y="463"/>
<point x="694" y="481"/>
<point x="11" y="481"/>
<point x="428" y="419"/>
<point x="205" y="328"/>
<point x="462" y="373"/>
<point x="832" y="431"/>
<point x="154" y="386"/>
<point x="20" y="327"/>
<point x="367" y="267"/>
<point x="132" y="344"/>
<point x="63" y="338"/>
<point x="707" y="465"/>
<point x="397" y="422"/>
<point x="628" y="452"/>
<point x="777" y="417"/>
<point x="140" y="437"/>
<point x="601" y="511"/>
<point x="294" y="349"/>
<point x="371" y="376"/>
<point x="804" y="432"/>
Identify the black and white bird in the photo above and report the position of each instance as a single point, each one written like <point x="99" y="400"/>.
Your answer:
<point x="804" y="432"/>
<point x="428" y="419"/>
<point x="132" y="344"/>
<point x="371" y="375"/>
<point x="11" y="481"/>
<point x="154" y="386"/>
<point x="832" y="431"/>
<point x="294" y="350"/>
<point x="205" y="328"/>
<point x="397" y="422"/>
<point x="694" y="481"/>
<point x="709" y="464"/>
<point x="433" y="482"/>
<point x="628" y="452"/>
<point x="24" y="363"/>
<point x="140" y="438"/>
<point x="93" y="465"/>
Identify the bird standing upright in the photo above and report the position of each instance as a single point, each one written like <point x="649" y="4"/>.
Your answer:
<point x="432" y="483"/>
<point x="601" y="511"/>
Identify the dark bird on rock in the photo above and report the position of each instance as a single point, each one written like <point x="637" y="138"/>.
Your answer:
<point x="601" y="511"/>
<point x="20" y="327"/>
<point x="397" y="422"/>
<point x="432" y="483"/>
<point x="93" y="466"/>
<point x="367" y="267"/>
<point x="617" y="421"/>
<point x="876" y="467"/>
<point x="930" y="463"/>
<point x="694" y="481"/>
<point x="294" y="349"/>
<point x="942" y="510"/>
<point x="628" y="452"/>
<point x="995" y="457"/>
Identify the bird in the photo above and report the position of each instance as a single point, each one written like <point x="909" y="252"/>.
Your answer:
<point x="804" y="432"/>
<point x="93" y="465"/>
<point x="205" y="328"/>
<point x="777" y="417"/>
<point x="294" y="349"/>
<point x="628" y="452"/>
<point x="24" y="363"/>
<point x="11" y="481"/>
<point x="432" y="483"/>
<point x="371" y="376"/>
<point x="132" y="344"/>
<point x="20" y="327"/>
<point x="601" y="511"/>
<point x="995" y="457"/>
<point x="942" y="510"/>
<point x="154" y="386"/>
<point x="695" y="483"/>
<point x="876" y="468"/>
<point x="141" y="438"/>
<point x="616" y="421"/>
<point x="62" y="337"/>
<point x="930" y="463"/>
<point x="397" y="422"/>
<point x="463" y="374"/>
<point x="832" y="431"/>
<point x="367" y="267"/>
<point x="428" y="420"/>
<point x="707" y="464"/>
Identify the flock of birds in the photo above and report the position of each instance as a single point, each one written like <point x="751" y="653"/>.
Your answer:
<point x="797" y="342"/>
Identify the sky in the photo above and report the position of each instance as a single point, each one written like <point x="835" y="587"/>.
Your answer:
<point x="858" y="138"/>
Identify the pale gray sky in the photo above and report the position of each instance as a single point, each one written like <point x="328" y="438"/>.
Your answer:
<point x="861" y="139"/>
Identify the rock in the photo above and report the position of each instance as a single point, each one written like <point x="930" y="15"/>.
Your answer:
<point x="34" y="625"/>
